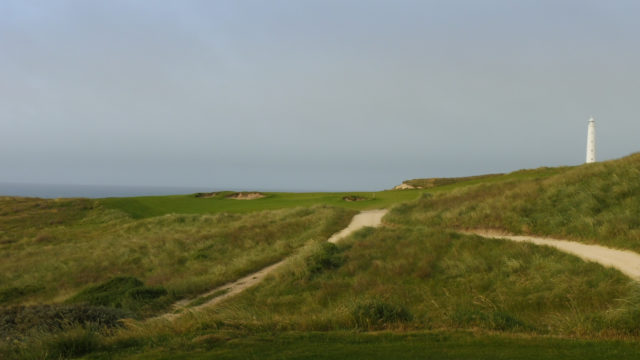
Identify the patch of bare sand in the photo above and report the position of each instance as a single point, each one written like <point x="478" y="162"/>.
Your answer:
<point x="246" y="196"/>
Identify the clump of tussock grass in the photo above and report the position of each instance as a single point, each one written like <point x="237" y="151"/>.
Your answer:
<point x="492" y="320"/>
<point x="127" y="293"/>
<point x="326" y="257"/>
<point x="374" y="314"/>
<point x="18" y="321"/>
<point x="71" y="343"/>
<point x="12" y="294"/>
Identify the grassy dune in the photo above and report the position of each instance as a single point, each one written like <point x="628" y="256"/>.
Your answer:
<point x="595" y="203"/>
<point x="415" y="283"/>
<point x="413" y="278"/>
<point x="412" y="288"/>
<point x="50" y="260"/>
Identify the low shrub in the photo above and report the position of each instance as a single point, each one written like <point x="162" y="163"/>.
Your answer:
<point x="376" y="313"/>
<point x="326" y="257"/>
<point x="494" y="320"/>
<point x="127" y="293"/>
<point x="72" y="343"/>
<point x="147" y="293"/>
<point x="13" y="293"/>
<point x="17" y="321"/>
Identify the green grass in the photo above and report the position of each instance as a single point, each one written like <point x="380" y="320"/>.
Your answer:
<point x="434" y="182"/>
<point x="127" y="293"/>
<point x="407" y="279"/>
<point x="596" y="203"/>
<point x="204" y="299"/>
<point x="417" y="278"/>
<point x="387" y="345"/>
<point x="185" y="254"/>
<point x="411" y="289"/>
<point x="148" y="206"/>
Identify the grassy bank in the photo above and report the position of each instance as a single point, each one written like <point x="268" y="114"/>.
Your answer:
<point x="477" y="299"/>
<point x="51" y="260"/>
<point x="595" y="203"/>
<point x="416" y="278"/>
<point x="414" y="288"/>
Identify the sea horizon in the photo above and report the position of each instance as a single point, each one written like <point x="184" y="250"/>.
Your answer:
<point x="52" y="191"/>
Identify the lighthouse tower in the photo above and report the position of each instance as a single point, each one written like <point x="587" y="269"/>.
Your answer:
<point x="591" y="141"/>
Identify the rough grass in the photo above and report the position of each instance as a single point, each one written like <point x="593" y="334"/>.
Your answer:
<point x="406" y="279"/>
<point x="594" y="203"/>
<point x="434" y="182"/>
<point x="414" y="276"/>
<point x="185" y="254"/>
<point x="127" y="293"/>
<point x="434" y="280"/>
<point x="19" y="321"/>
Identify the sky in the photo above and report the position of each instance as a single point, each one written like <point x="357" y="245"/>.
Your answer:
<point x="310" y="95"/>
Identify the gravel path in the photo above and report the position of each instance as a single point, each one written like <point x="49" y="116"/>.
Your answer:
<point x="628" y="262"/>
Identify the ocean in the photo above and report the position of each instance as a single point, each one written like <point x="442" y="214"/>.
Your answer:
<point x="91" y="191"/>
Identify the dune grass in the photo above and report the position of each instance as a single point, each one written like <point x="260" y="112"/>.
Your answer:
<point x="415" y="285"/>
<point x="413" y="288"/>
<point x="594" y="203"/>
<point x="416" y="278"/>
<point x="185" y="254"/>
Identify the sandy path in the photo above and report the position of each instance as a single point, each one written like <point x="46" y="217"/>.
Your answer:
<point x="365" y="218"/>
<point x="371" y="218"/>
<point x="628" y="262"/>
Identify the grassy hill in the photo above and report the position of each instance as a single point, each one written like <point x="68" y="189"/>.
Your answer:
<point x="411" y="288"/>
<point x="594" y="203"/>
<point x="49" y="261"/>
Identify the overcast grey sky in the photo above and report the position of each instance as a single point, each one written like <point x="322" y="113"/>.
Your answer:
<point x="310" y="95"/>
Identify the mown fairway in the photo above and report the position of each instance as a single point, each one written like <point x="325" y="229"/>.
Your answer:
<point x="148" y="206"/>
<point x="384" y="346"/>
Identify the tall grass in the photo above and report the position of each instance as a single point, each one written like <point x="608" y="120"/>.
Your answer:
<point x="413" y="274"/>
<point x="186" y="254"/>
<point x="416" y="278"/>
<point x="595" y="203"/>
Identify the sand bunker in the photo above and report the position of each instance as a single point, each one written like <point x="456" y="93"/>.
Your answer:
<point x="246" y="196"/>
<point x="404" y="186"/>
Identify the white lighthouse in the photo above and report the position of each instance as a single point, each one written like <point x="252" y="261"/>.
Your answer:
<point x="591" y="141"/>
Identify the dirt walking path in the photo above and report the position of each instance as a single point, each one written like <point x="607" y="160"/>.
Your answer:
<point x="628" y="262"/>
<point x="371" y="218"/>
